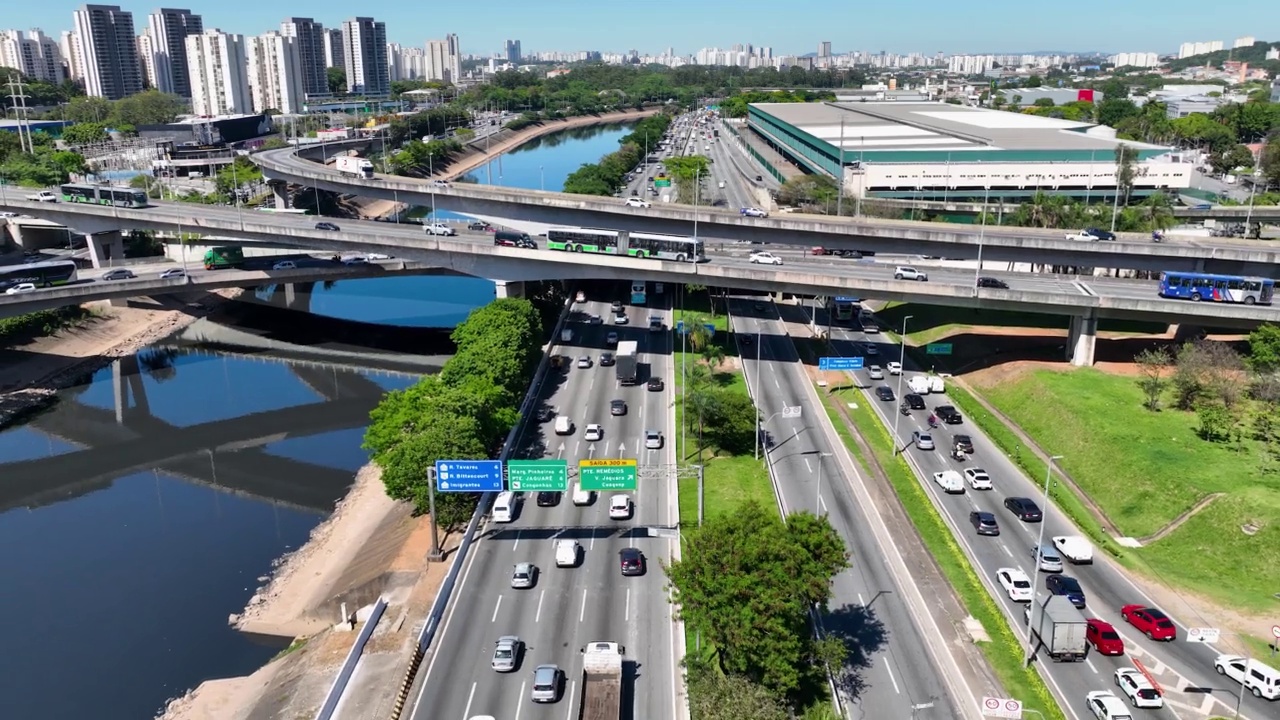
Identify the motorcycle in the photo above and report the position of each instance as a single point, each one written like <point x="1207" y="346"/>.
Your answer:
<point x="933" y="423"/>
<point x="1157" y="236"/>
<point x="958" y="455"/>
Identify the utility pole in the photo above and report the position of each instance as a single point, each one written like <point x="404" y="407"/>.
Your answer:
<point x="840" y="197"/>
<point x="17" y="93"/>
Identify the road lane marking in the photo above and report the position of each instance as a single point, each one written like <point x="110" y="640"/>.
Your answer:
<point x="573" y="686"/>
<point x="1005" y="548"/>
<point x="822" y="504"/>
<point x="583" y="612"/>
<point x="861" y="602"/>
<point x="592" y="544"/>
<point x="888" y="668"/>
<point x="1089" y="662"/>
<point x="775" y="382"/>
<point x="538" y="615"/>
<point x="495" y="609"/>
<point x="516" y="545"/>
<point x="808" y="466"/>
<point x="470" y="696"/>
<point x="520" y="704"/>
<point x="626" y="615"/>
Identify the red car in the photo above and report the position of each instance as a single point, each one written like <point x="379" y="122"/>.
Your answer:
<point x="1103" y="637"/>
<point x="1150" y="622"/>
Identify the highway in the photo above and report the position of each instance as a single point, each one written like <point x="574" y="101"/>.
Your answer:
<point x="569" y="608"/>
<point x="894" y="670"/>
<point x="1185" y="670"/>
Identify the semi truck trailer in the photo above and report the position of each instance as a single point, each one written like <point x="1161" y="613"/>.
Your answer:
<point x="353" y="166"/>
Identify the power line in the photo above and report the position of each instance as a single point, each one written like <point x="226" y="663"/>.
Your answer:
<point x="17" y="94"/>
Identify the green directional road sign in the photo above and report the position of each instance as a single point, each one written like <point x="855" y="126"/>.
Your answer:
<point x="619" y="474"/>
<point x="537" y="475"/>
<point x="662" y="182"/>
<point x="938" y="349"/>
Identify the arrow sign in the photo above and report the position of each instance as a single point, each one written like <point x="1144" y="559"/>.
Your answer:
<point x="561" y="452"/>
<point x="621" y="448"/>
<point x="591" y="450"/>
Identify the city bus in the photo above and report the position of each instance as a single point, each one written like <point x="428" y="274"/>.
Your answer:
<point x="1217" y="288"/>
<point x="105" y="195"/>
<point x="637" y="292"/>
<point x="40" y="274"/>
<point x="618" y="242"/>
<point x="843" y="308"/>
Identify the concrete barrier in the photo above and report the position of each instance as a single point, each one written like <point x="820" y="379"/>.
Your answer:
<point x="339" y="685"/>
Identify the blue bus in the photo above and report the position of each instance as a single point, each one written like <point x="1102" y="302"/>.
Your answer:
<point x="637" y="292"/>
<point x="1217" y="288"/>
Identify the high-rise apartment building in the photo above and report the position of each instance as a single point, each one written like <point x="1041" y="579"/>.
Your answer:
<point x="168" y="29"/>
<point x="310" y="36"/>
<point x="824" y="49"/>
<point x="333" y="55"/>
<point x="219" y="76"/>
<point x="513" y="52"/>
<point x="444" y="59"/>
<point x="72" y="54"/>
<point x="1191" y="49"/>
<point x="108" y="51"/>
<point x="33" y="53"/>
<point x="275" y="73"/>
<point x="364" y="46"/>
<point x="149" y="58"/>
<point x="1244" y="42"/>
<point x="1135" y="59"/>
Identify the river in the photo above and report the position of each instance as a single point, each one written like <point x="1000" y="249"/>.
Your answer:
<point x="133" y="532"/>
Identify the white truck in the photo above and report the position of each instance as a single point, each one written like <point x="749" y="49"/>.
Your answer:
<point x="566" y="335"/>
<point x="353" y="166"/>
<point x="950" y="481"/>
<point x="625" y="360"/>
<point x="44" y="196"/>
<point x="936" y="384"/>
<point x="601" y="682"/>
<point x="918" y="384"/>
<point x="1060" y="628"/>
<point x="1074" y="548"/>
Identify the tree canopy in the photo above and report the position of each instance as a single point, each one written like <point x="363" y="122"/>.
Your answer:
<point x="606" y="176"/>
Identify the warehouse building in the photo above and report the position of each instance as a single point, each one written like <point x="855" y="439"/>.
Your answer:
<point x="937" y="151"/>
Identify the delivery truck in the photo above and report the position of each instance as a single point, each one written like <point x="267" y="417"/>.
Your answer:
<point x="223" y="257"/>
<point x="626" y="362"/>
<point x="353" y="166"/>
<point x="1060" y="628"/>
<point x="601" y="682"/>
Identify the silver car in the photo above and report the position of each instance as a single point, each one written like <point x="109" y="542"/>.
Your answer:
<point x="546" y="684"/>
<point x="923" y="440"/>
<point x="875" y="372"/>
<point x="523" y="575"/>
<point x="506" y="653"/>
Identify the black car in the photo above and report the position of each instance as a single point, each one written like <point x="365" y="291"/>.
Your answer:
<point x="984" y="522"/>
<point x="118" y="274"/>
<point x="480" y="225"/>
<point x="326" y="226"/>
<point x="617" y="407"/>
<point x="1068" y="586"/>
<point x="547" y="498"/>
<point x="914" y="401"/>
<point x="948" y="414"/>
<point x="990" y="282"/>
<point x="631" y="561"/>
<point x="884" y="392"/>
<point x="606" y="359"/>
<point x="1025" y="508"/>
<point x="655" y="384"/>
<point x="963" y="443"/>
<point x="1101" y="234"/>
<point x="546" y="414"/>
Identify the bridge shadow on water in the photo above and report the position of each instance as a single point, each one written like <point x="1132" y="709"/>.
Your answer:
<point x="294" y="327"/>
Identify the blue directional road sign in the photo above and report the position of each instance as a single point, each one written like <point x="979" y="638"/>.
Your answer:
<point x="840" y="363"/>
<point x="469" y="476"/>
<point x="844" y="299"/>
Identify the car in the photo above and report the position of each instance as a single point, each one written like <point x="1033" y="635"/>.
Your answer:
<point x="1025" y="508"/>
<point x="355" y="260"/>
<point x="606" y="359"/>
<point x="621" y="319"/>
<point x="118" y="274"/>
<point x="617" y="407"/>
<point x="652" y="440"/>
<point x="594" y="320"/>
<point x="1068" y="587"/>
<point x="1106" y="706"/>
<point x="440" y="183"/>
<point x="636" y="202"/>
<point x="1150" y="621"/>
<point x="1046" y="558"/>
<point x="1135" y="685"/>
<point x="581" y="297"/>
<point x="593" y="433"/>
<point x="547" y="680"/>
<point x="655" y="384"/>
<point x="173" y="273"/>
<point x="546" y="414"/>
<point x="524" y="575"/>
<point x="285" y="265"/>
<point x="620" y="507"/>
<point x="765" y="258"/>
<point x="1103" y="637"/>
<point x="948" y="414"/>
<point x="875" y="372"/>
<point x="753" y="212"/>
<point x="8" y="215"/>
<point x="631" y="561"/>
<point x="906" y="272"/>
<point x="506" y="653"/>
<point x="949" y="481"/>
<point x="990" y="282"/>
<point x="914" y="401"/>
<point x="870" y="327"/>
<point x="584" y="361"/>
<point x="615" y="307"/>
<point x="885" y="393"/>
<point x="984" y="523"/>
<point x="922" y="440"/>
<point x="1016" y="584"/>
<point x="326" y="226"/>
<point x="436" y="228"/>
<point x="745" y="339"/>
<point x="1091" y="235"/>
<point x="655" y="325"/>
<point x="611" y="339"/>
<point x="21" y="288"/>
<point x="871" y="350"/>
<point x="548" y="498"/>
<point x="978" y="478"/>
<point x="963" y="443"/>
<point x="480" y="226"/>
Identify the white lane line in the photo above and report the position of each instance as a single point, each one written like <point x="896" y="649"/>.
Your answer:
<point x="592" y="545"/>
<point x="808" y="466"/>
<point x="538" y="616"/>
<point x="495" y="609"/>
<point x="470" y="696"/>
<point x="775" y="382"/>
<point x="573" y="687"/>
<point x="583" y="612"/>
<point x="891" y="677"/>
<point x="520" y="705"/>
<point x="516" y="544"/>
<point x="1089" y="662"/>
<point x="822" y="504"/>
<point x="626" y="615"/>
<point x="861" y="602"/>
<point x="577" y="448"/>
<point x="1005" y="548"/>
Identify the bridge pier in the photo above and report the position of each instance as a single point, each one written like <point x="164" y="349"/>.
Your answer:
<point x="280" y="193"/>
<point x="509" y="288"/>
<point x="1082" y="339"/>
<point x="126" y="379"/>
<point x="105" y="247"/>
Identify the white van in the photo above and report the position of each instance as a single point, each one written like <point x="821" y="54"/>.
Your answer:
<point x="582" y="497"/>
<point x="936" y="385"/>
<point x="564" y="426"/>
<point x="567" y="553"/>
<point x="1261" y="680"/>
<point x="919" y="384"/>
<point x="504" y="507"/>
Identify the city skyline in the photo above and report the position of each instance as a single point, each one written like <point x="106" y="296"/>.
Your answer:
<point x="607" y="28"/>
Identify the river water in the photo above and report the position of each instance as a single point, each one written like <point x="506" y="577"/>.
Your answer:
<point x="133" y="528"/>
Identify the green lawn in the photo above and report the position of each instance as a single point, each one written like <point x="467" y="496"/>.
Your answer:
<point x="1144" y="469"/>
<point x="930" y="323"/>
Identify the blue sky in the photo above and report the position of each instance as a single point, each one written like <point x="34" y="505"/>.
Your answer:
<point x="789" y="26"/>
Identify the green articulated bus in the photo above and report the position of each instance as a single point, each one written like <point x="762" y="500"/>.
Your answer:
<point x="620" y="242"/>
<point x="105" y="195"/>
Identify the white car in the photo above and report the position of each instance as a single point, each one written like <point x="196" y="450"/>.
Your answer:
<point x="1015" y="583"/>
<point x="173" y="273"/>
<point x="652" y="440"/>
<point x="438" y="229"/>
<point x="765" y="258"/>
<point x="753" y="212"/>
<point x="285" y="265"/>
<point x="611" y="339"/>
<point x="620" y="507"/>
<point x="567" y="553"/>
<point x="895" y="367"/>
<point x="584" y="361"/>
<point x="621" y="319"/>
<point x="440" y="183"/>
<point x="1106" y="706"/>
<point x="20" y="288"/>
<point x="871" y="350"/>
<point x="636" y="202"/>
<point x="593" y="433"/>
<point x="874" y="372"/>
<point x="523" y="575"/>
<point x="949" y="481"/>
<point x="1138" y="688"/>
<point x="978" y="478"/>
<point x="904" y="272"/>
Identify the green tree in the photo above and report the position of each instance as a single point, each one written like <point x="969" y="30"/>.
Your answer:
<point x="716" y="696"/>
<point x="1126" y="170"/>
<point x="1154" y="365"/>
<point x="149" y="107"/>
<point x="1114" y="111"/>
<point x="237" y="175"/>
<point x="337" y="80"/>
<point x="84" y="133"/>
<point x="1264" y="349"/>
<point x="1269" y="162"/>
<point x="88" y="110"/>
<point x="730" y="420"/>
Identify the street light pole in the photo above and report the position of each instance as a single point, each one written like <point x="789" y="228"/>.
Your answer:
<point x="902" y="372"/>
<point x="982" y="233"/>
<point x="1031" y="616"/>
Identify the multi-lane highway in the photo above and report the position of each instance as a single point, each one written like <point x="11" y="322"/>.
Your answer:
<point x="897" y="675"/>
<point x="570" y="607"/>
<point x="1185" y="670"/>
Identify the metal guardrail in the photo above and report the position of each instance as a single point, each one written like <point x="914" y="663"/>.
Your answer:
<point x="349" y="665"/>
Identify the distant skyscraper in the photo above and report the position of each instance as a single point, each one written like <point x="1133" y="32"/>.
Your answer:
<point x="275" y="73"/>
<point x="333" y="55"/>
<point x="824" y="48"/>
<point x="219" y="76"/>
<point x="149" y="58"/>
<point x="444" y="59"/>
<point x="168" y="29"/>
<point x="108" y="51"/>
<point x="364" y="47"/>
<point x="513" y="52"/>
<point x="310" y="36"/>
<point x="33" y="53"/>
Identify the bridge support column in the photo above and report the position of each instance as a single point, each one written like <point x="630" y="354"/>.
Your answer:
<point x="509" y="288"/>
<point x="297" y="296"/>
<point x="280" y="192"/>
<point x="1082" y="339"/>
<point x="126" y="380"/>
<point x="105" y="247"/>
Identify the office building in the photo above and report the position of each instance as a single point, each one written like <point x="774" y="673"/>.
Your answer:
<point x="108" y="52"/>
<point x="275" y="73"/>
<point x="219" y="76"/>
<point x="310" y="37"/>
<point x="168" y="29"/>
<point x="364" y="47"/>
<point x="444" y="59"/>
<point x="33" y="53"/>
<point x="513" y="52"/>
<point x="824" y="49"/>
<point x="333" y="55"/>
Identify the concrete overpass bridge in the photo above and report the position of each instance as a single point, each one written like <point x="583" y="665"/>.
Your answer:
<point x="1228" y="213"/>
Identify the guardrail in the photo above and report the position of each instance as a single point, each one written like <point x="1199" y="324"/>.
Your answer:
<point x="349" y="665"/>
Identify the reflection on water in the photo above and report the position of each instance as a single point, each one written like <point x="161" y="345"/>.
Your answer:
<point x="407" y="301"/>
<point x="135" y="528"/>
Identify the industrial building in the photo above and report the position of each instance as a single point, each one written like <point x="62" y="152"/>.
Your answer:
<point x="938" y="151"/>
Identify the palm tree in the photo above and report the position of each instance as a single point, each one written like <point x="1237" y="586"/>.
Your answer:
<point x="699" y="335"/>
<point x="1157" y="212"/>
<point x="713" y="355"/>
